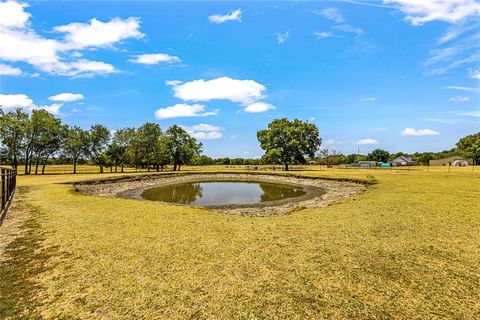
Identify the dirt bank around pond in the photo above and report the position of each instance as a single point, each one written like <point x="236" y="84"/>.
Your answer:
<point x="318" y="192"/>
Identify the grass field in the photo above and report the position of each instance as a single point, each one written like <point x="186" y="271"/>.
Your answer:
<point x="408" y="248"/>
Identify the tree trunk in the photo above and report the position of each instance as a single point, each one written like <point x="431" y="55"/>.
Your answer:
<point x="286" y="166"/>
<point x="174" y="166"/>
<point x="115" y="168"/>
<point x="15" y="161"/>
<point x="37" y="162"/>
<point x="101" y="167"/>
<point x="74" y="166"/>
<point x="26" y="161"/>
<point x="122" y="168"/>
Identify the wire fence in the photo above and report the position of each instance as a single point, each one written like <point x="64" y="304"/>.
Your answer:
<point x="9" y="181"/>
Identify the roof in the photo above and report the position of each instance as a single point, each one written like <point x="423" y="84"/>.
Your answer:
<point x="402" y="159"/>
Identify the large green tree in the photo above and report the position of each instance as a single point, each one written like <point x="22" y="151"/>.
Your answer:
<point x="47" y="135"/>
<point x="181" y="146"/>
<point x="13" y="128"/>
<point x="469" y="147"/>
<point x="378" y="155"/>
<point x="148" y="139"/>
<point x="76" y="143"/>
<point x="293" y="141"/>
<point x="98" y="139"/>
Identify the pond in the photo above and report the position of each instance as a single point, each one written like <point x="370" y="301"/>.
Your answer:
<point x="222" y="193"/>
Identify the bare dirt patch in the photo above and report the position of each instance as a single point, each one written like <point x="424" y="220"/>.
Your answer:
<point x="318" y="192"/>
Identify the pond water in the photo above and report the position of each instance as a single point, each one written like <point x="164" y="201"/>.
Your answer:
<point x="222" y="193"/>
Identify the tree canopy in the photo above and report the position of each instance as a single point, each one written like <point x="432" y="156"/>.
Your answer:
<point x="289" y="142"/>
<point x="469" y="147"/>
<point x="378" y="155"/>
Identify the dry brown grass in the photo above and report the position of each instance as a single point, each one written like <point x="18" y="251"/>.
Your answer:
<point x="407" y="248"/>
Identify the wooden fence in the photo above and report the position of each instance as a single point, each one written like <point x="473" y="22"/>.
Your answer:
<point x="9" y="181"/>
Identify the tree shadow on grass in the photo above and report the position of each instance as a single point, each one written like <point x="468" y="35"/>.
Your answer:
<point x="24" y="259"/>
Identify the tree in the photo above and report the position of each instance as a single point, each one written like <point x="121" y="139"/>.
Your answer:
<point x="47" y="136"/>
<point x="469" y="147"/>
<point x="98" y="138"/>
<point x="148" y="139"/>
<point x="294" y="140"/>
<point x="272" y="156"/>
<point x="378" y="155"/>
<point x="76" y="142"/>
<point x="182" y="147"/>
<point x="117" y="151"/>
<point x="13" y="127"/>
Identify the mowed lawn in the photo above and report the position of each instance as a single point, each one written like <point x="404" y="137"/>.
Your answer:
<point x="408" y="248"/>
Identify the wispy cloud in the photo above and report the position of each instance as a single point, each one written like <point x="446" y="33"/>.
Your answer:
<point x="340" y="24"/>
<point x="470" y="114"/>
<point x="282" y="37"/>
<point x="410" y="132"/>
<point x="461" y="88"/>
<point x="367" y="141"/>
<point x="155" y="58"/>
<point x="234" y="15"/>
<point x="181" y="110"/>
<point x="369" y="99"/>
<point x="459" y="99"/>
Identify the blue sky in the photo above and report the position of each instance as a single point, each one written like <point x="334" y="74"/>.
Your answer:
<point x="396" y="74"/>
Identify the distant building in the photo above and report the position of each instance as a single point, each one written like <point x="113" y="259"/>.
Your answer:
<point x="367" y="164"/>
<point x="460" y="163"/>
<point x="449" y="161"/>
<point x="402" y="161"/>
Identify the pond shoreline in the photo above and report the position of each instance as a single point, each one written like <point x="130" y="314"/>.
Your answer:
<point x="319" y="192"/>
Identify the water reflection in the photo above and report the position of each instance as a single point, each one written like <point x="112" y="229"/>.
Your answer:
<point x="220" y="193"/>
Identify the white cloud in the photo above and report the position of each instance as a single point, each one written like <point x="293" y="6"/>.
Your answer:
<point x="6" y="70"/>
<point x="12" y="14"/>
<point x="282" y="37"/>
<point x="183" y="110"/>
<point x="155" y="58"/>
<point x="204" y="131"/>
<point x="409" y="132"/>
<point x="471" y="114"/>
<point x="332" y="14"/>
<point x="224" y="88"/>
<point x="259" y="107"/>
<point x="459" y="99"/>
<point x="12" y="101"/>
<point x="323" y="34"/>
<point x="173" y="82"/>
<point x="55" y="56"/>
<point x="469" y="89"/>
<point x="475" y="74"/>
<point x="234" y="15"/>
<point x="204" y="127"/>
<point x="9" y="102"/>
<point x="348" y="28"/>
<point x="87" y="68"/>
<point x="369" y="99"/>
<point x="367" y="141"/>
<point x="100" y="34"/>
<point x="200" y="135"/>
<point x="419" y="12"/>
<point x="66" y="97"/>
<point x="53" y="108"/>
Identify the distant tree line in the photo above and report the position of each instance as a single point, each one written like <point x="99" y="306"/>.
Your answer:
<point x="468" y="147"/>
<point x="37" y="139"/>
<point x="33" y="141"/>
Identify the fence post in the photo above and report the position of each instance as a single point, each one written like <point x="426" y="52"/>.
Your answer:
<point x="4" y="196"/>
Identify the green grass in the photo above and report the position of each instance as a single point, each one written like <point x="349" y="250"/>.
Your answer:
<point x="407" y="248"/>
